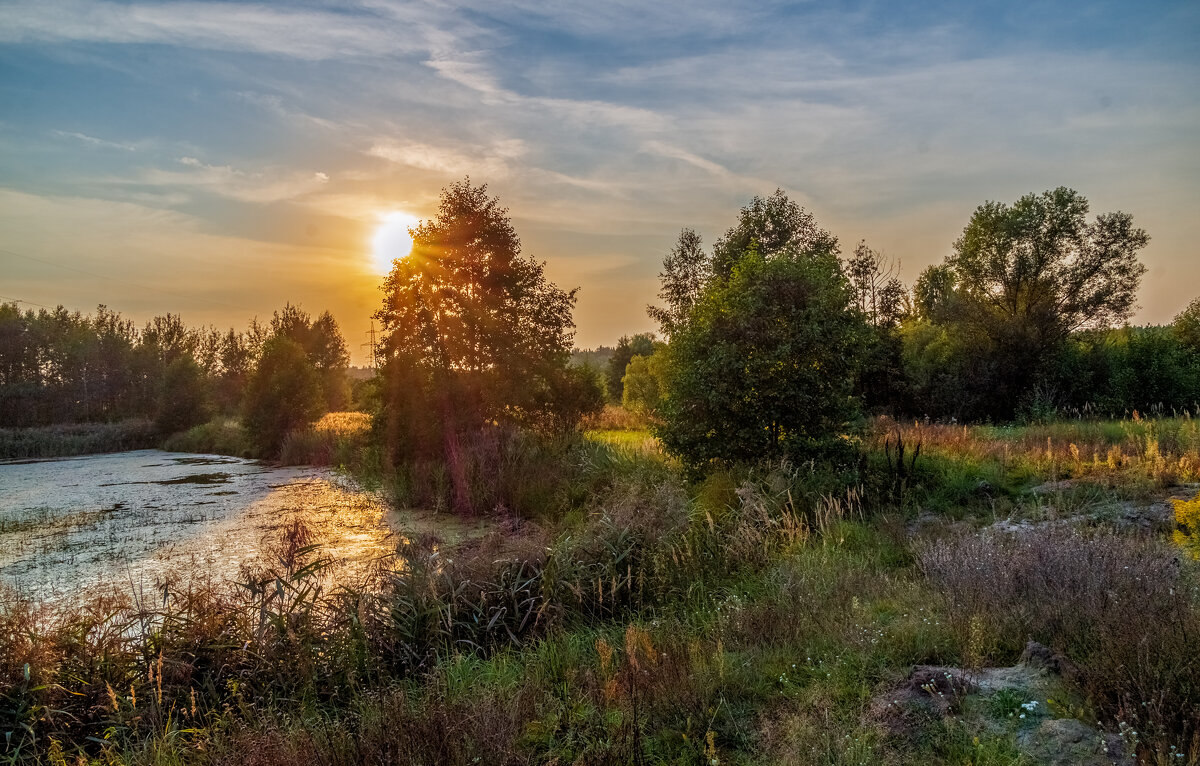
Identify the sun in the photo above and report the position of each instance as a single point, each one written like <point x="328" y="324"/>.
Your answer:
<point x="391" y="239"/>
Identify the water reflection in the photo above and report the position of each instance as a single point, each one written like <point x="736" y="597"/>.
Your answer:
<point x="133" y="518"/>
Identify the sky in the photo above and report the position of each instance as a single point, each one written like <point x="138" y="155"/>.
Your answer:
<point x="218" y="159"/>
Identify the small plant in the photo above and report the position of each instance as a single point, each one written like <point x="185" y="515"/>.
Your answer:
<point x="1187" y="517"/>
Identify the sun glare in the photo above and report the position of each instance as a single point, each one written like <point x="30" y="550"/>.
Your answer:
<point x="391" y="240"/>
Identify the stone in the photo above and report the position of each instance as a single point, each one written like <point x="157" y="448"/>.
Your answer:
<point x="1070" y="742"/>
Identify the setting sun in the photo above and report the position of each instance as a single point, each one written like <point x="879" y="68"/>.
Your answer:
<point x="391" y="240"/>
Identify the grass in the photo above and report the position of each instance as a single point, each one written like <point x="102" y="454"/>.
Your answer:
<point x="76" y="439"/>
<point x="630" y="617"/>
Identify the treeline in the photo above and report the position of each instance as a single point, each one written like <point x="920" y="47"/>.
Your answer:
<point x="774" y="341"/>
<point x="58" y="366"/>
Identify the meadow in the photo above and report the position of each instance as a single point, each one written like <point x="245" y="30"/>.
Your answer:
<point x="765" y="615"/>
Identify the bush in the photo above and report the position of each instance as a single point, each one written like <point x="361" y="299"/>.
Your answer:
<point x="764" y="367"/>
<point x="223" y="436"/>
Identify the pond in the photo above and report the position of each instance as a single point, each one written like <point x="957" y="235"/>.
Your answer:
<point x="129" y="519"/>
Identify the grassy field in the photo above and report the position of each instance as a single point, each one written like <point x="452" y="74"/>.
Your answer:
<point x="772" y="614"/>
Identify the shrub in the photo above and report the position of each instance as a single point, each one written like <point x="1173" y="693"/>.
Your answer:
<point x="1187" y="517"/>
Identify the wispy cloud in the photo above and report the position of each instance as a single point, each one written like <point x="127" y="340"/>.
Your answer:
<point x="493" y="160"/>
<point x="97" y="142"/>
<point x="260" y="186"/>
<point x="300" y="33"/>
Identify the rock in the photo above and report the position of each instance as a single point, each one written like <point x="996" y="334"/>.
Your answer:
<point x="1069" y="742"/>
<point x="929" y="692"/>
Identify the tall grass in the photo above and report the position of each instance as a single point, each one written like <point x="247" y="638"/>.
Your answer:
<point x="76" y="439"/>
<point x="613" y="614"/>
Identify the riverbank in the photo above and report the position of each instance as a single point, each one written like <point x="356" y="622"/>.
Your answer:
<point x="67" y="440"/>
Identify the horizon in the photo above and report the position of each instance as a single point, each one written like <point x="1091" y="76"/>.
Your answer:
<point x="217" y="160"/>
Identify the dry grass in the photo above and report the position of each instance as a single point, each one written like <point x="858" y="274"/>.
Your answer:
<point x="1125" y="610"/>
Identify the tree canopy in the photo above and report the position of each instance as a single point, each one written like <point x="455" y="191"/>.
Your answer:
<point x="773" y="224"/>
<point x="1021" y="279"/>
<point x="763" y="364"/>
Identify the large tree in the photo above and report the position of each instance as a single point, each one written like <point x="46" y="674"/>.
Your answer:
<point x="475" y="334"/>
<point x="1040" y="262"/>
<point x="1022" y="278"/>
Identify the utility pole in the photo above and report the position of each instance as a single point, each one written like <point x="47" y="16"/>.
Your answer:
<point x="371" y="344"/>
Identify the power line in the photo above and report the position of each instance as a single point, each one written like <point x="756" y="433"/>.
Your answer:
<point x="28" y="303"/>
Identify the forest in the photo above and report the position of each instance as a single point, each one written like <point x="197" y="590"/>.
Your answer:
<point x="818" y="516"/>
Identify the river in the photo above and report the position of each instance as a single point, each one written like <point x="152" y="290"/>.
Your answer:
<point x="131" y="519"/>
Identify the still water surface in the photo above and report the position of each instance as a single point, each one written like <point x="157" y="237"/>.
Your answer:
<point x="129" y="519"/>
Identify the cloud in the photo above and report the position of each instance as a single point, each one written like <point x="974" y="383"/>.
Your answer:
<point x="262" y="186"/>
<point x="304" y="34"/>
<point x="493" y="160"/>
<point x="93" y="141"/>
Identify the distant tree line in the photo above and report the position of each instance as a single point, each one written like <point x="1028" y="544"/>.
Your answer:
<point x="58" y="366"/>
<point x="776" y="343"/>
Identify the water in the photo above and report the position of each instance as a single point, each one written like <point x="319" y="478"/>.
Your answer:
<point x="129" y="519"/>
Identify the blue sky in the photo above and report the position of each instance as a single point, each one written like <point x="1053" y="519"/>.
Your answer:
<point x="218" y="159"/>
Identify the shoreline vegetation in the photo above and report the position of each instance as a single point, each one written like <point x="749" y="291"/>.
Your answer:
<point x="753" y="616"/>
<point x="713" y="549"/>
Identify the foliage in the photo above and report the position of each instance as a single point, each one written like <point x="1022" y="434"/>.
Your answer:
<point x="881" y="299"/>
<point x="283" y="395"/>
<point x="220" y="436"/>
<point x="643" y="382"/>
<point x="1187" y="326"/>
<point x="76" y="439"/>
<point x="475" y="335"/>
<point x="58" y="366"/>
<point x="1021" y="280"/>
<point x="183" y="399"/>
<point x="1187" y="520"/>
<point x="775" y="224"/>
<point x="627" y="348"/>
<point x="764" y="366"/>
<point x="685" y="271"/>
<point x="324" y="346"/>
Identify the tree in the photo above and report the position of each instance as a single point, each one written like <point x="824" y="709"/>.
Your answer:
<point x="474" y="331"/>
<point x="1023" y="278"/>
<point x="1041" y="263"/>
<point x="764" y="366"/>
<point x="773" y="225"/>
<point x="324" y="346"/>
<point x="283" y="394"/>
<point x="1187" y="326"/>
<point x="643" y="382"/>
<point x="685" y="271"/>
<point x="878" y="293"/>
<point x="183" y="397"/>
<point x="627" y="348"/>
